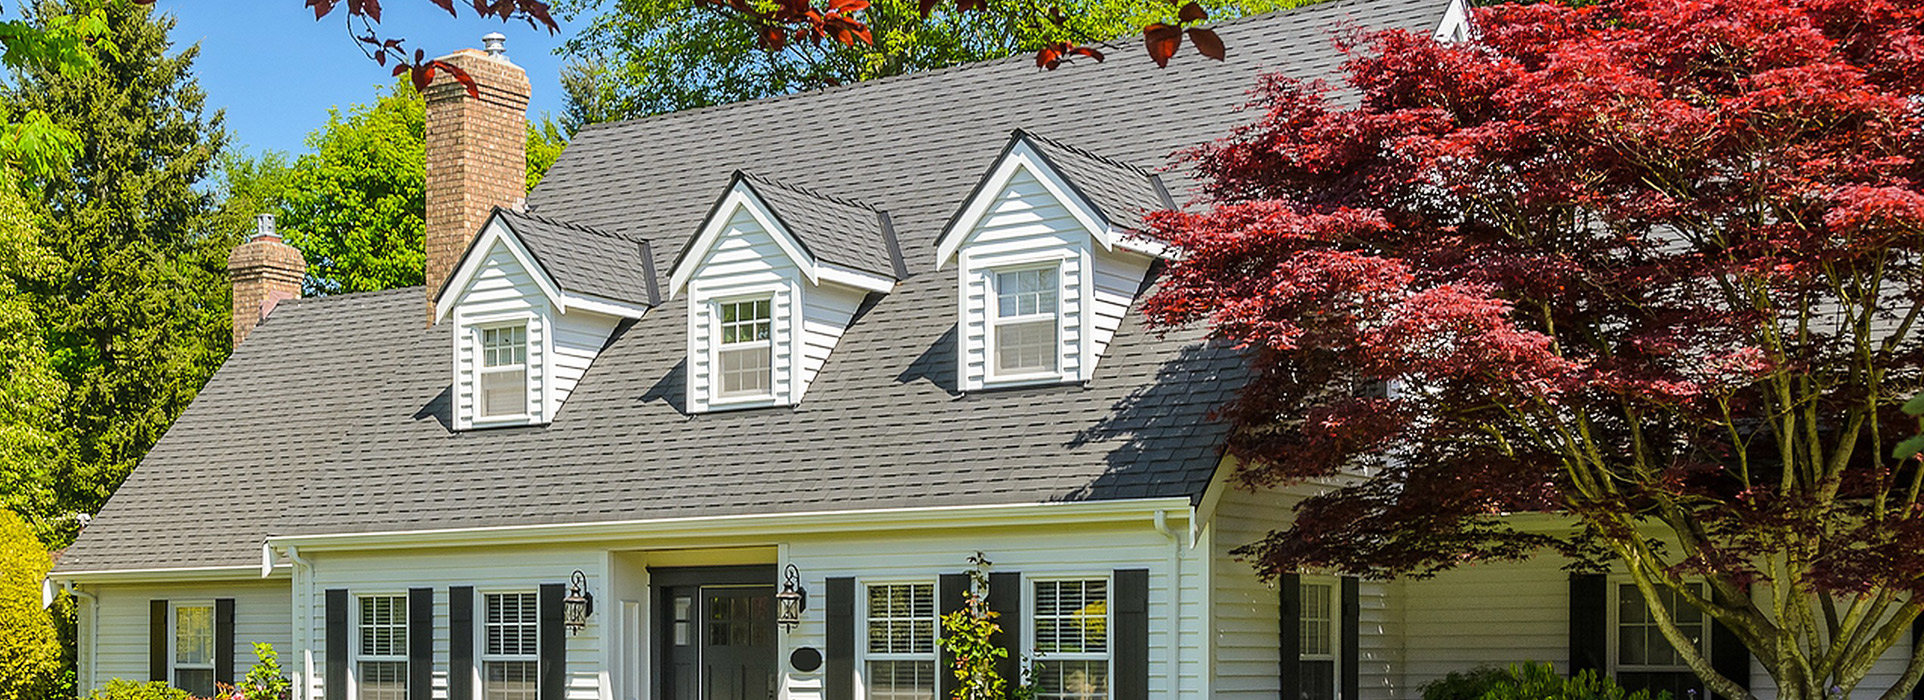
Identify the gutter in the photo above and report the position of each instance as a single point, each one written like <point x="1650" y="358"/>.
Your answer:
<point x="1175" y="600"/>
<point x="777" y="525"/>
<point x="92" y="659"/>
<point x="303" y="620"/>
<point x="168" y="575"/>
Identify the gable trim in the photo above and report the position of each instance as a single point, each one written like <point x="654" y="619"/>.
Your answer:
<point x="740" y="195"/>
<point x="500" y="228"/>
<point x="1017" y="156"/>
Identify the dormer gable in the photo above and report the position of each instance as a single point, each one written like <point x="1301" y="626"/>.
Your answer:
<point x="1050" y="253"/>
<point x="530" y="305"/>
<point x="772" y="279"/>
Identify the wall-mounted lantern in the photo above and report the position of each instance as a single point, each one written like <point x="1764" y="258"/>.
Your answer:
<point x="579" y="604"/>
<point x="793" y="599"/>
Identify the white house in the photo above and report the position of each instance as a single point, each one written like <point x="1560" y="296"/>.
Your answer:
<point x="828" y="345"/>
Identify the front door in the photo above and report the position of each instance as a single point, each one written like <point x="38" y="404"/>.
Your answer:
<point x="716" y="640"/>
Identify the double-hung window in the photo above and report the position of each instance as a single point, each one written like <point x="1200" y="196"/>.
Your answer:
<point x="504" y="371"/>
<point x="1072" y="639"/>
<point x="509" y="655"/>
<point x="1645" y="658"/>
<point x="381" y="650"/>
<point x="746" y="348"/>
<point x="193" y="656"/>
<point x="901" y="623"/>
<point x="1316" y="622"/>
<point x="1025" y="328"/>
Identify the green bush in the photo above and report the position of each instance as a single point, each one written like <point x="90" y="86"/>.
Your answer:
<point x="29" y="646"/>
<point x="1529" y="681"/>
<point x="118" y="689"/>
<point x="265" y="681"/>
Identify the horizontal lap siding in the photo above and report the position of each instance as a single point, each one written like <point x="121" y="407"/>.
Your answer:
<point x="495" y="570"/>
<point x="578" y="338"/>
<point x="1247" y="613"/>
<point x="1118" y="274"/>
<point x="1058" y="551"/>
<point x="1024" y="224"/>
<point x="119" y="637"/>
<point x="502" y="286"/>
<point x="825" y="316"/>
<point x="1487" y="615"/>
<point x="745" y="260"/>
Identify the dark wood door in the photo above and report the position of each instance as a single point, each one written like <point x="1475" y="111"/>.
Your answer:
<point x="716" y="634"/>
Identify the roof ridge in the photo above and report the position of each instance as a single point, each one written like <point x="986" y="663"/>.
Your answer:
<point x="915" y="75"/>
<point x="354" y="296"/>
<point x="570" y="225"/>
<point x="1139" y="170"/>
<point x="772" y="182"/>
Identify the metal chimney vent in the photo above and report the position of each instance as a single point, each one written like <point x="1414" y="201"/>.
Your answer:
<point x="496" y="44"/>
<point x="263" y="227"/>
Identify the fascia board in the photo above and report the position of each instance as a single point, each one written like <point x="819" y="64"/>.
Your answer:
<point x="497" y="231"/>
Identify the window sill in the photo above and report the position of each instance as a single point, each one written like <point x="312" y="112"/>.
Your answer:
<point x="1015" y="380"/>
<point x="502" y="421"/>
<point x="734" y="403"/>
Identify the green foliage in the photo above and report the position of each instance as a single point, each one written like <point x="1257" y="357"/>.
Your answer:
<point x="640" y="57"/>
<point x="1530" y="681"/>
<point x="30" y="651"/>
<point x="966" y="635"/>
<point x="1911" y="446"/>
<point x="34" y="145"/>
<point x="31" y="392"/>
<point x="118" y="689"/>
<point x="1465" y="685"/>
<point x="354" y="205"/>
<point x="265" y="681"/>
<point x="134" y="310"/>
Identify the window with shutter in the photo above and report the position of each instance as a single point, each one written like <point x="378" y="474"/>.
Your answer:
<point x="510" y="651"/>
<point x="1071" y="633"/>
<point x="899" y="656"/>
<point x="193" y="653"/>
<point x="381" y="648"/>
<point x="1319" y="638"/>
<point x="1644" y="658"/>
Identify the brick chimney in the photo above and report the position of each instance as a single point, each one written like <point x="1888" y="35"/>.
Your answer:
<point x="477" y="153"/>
<point x="264" y="272"/>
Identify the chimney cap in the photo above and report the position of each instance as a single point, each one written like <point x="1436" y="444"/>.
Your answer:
<point x="264" y="228"/>
<point x="496" y="45"/>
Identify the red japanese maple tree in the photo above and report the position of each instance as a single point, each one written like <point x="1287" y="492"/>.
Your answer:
<point x="1652" y="265"/>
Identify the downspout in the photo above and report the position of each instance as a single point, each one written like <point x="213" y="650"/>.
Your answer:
<point x="1175" y="601"/>
<point x="304" y="620"/>
<point x="93" y="631"/>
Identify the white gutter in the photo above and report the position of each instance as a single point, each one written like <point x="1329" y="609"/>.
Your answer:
<point x="303" y="620"/>
<point x="781" y="525"/>
<point x="163" y="575"/>
<point x="1175" y="601"/>
<point x="91" y="661"/>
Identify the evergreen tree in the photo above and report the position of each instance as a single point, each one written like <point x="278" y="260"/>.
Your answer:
<point x="136" y="311"/>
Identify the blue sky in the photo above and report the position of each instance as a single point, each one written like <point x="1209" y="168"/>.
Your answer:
<point x="277" y="71"/>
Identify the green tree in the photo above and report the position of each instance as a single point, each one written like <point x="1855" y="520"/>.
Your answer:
<point x="31" y="392"/>
<point x="640" y="57"/>
<point x="29" y="648"/>
<point x="136" y="311"/>
<point x="354" y="206"/>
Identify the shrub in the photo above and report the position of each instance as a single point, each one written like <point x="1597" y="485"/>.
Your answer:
<point x="1530" y="681"/>
<point x="1465" y="685"/>
<point x="118" y="689"/>
<point x="265" y="681"/>
<point x="29" y="646"/>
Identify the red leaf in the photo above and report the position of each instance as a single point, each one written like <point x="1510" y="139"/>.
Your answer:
<point x="422" y="77"/>
<point x="460" y="76"/>
<point x="538" y="11"/>
<point x="1048" y="58"/>
<point x="1086" y="51"/>
<point x="1207" y="43"/>
<point x="400" y="68"/>
<point x="321" y="7"/>
<point x="927" y="6"/>
<point x="1192" y="12"/>
<point x="372" y="8"/>
<point x="1162" y="41"/>
<point x="445" y="5"/>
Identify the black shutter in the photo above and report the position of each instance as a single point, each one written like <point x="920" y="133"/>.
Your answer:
<point x="840" y="683"/>
<point x="554" y="643"/>
<point x="1589" y="623"/>
<point x="420" y="643"/>
<point x="950" y="591"/>
<point x="1728" y="656"/>
<point x="460" y="642"/>
<point x="1289" y="613"/>
<point x="336" y="674"/>
<point x="1131" y="610"/>
<point x="1005" y="600"/>
<point x="224" y="640"/>
<point x="1352" y="639"/>
<point x="157" y="641"/>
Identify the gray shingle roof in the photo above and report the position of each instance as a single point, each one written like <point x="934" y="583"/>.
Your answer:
<point x="840" y="231"/>
<point x="583" y="260"/>
<point x="1120" y="191"/>
<point x="357" y="388"/>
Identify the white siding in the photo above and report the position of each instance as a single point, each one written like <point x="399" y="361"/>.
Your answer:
<point x="1247" y="638"/>
<point x="578" y="339"/>
<point x="1493" y="614"/>
<point x="114" y="644"/>
<point x="492" y="570"/>
<point x="826" y="313"/>
<point x="1118" y="275"/>
<point x="1025" y="225"/>
<point x="501" y="290"/>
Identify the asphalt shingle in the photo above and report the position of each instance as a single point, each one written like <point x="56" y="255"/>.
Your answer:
<point x="583" y="260"/>
<point x="840" y="231"/>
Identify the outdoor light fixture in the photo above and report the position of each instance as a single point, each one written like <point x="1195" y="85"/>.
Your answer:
<point x="793" y="599"/>
<point x="579" y="604"/>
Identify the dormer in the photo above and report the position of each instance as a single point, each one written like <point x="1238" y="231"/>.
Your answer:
<point x="772" y="279"/>
<point x="1049" y="256"/>
<point x="531" y="304"/>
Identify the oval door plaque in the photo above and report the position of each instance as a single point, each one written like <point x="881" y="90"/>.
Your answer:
<point x="805" y="659"/>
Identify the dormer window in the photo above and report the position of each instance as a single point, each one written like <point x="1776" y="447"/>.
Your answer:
<point x="1026" y="323"/>
<point x="504" y="371"/>
<point x="746" y="348"/>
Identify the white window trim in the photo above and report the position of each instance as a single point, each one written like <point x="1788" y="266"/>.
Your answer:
<point x="481" y="656"/>
<point x="1334" y="613"/>
<point x="173" y="638"/>
<point x="1614" y="602"/>
<point x="862" y="654"/>
<point x="531" y="394"/>
<point x="992" y="319"/>
<point x="1031" y="656"/>
<point x="354" y="655"/>
<point x="715" y="396"/>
